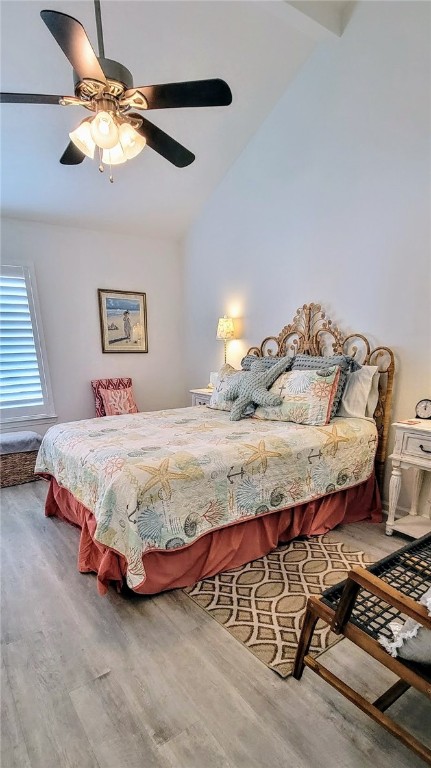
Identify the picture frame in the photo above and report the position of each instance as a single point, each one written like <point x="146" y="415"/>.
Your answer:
<point x="123" y="321"/>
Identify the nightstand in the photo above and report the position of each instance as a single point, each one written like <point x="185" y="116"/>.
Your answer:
<point x="412" y="449"/>
<point x="201" y="396"/>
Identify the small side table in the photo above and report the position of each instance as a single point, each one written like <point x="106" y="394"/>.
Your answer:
<point x="201" y="396"/>
<point x="412" y="449"/>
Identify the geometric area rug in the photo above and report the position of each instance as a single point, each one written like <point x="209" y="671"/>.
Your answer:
<point x="262" y="603"/>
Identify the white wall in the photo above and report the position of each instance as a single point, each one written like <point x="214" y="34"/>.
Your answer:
<point x="330" y="202"/>
<point x="70" y="265"/>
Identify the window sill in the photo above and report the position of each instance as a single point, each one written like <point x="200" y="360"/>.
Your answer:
<point x="24" y="422"/>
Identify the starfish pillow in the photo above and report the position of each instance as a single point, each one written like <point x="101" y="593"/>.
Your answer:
<point x="253" y="388"/>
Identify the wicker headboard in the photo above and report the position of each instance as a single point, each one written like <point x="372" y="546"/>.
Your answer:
<point x="311" y="332"/>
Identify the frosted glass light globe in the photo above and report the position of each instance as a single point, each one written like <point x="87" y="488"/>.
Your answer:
<point x="104" y="130"/>
<point x="83" y="139"/>
<point x="131" y="141"/>
<point x="114" y="156"/>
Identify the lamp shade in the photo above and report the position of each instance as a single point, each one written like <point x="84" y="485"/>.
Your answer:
<point x="225" y="329"/>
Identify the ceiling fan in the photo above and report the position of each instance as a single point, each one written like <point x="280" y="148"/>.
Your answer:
<point x="105" y="87"/>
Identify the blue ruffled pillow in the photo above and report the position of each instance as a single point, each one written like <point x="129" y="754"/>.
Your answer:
<point x="267" y="362"/>
<point x="345" y="362"/>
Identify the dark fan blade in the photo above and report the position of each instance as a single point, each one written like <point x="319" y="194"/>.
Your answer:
<point x="195" y="93"/>
<point x="72" y="155"/>
<point x="164" y="144"/>
<point x="29" y="98"/>
<point x="73" y="41"/>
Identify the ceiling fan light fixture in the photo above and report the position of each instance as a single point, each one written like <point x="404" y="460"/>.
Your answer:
<point x="83" y="139"/>
<point x="104" y="130"/>
<point x="131" y="141"/>
<point x="105" y="87"/>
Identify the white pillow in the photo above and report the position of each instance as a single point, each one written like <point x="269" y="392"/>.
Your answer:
<point x="361" y="393"/>
<point x="224" y="379"/>
<point x="373" y="397"/>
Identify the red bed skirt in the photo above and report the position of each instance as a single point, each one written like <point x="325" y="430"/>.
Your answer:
<point x="219" y="550"/>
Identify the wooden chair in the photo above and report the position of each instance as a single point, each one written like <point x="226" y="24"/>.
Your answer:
<point x="361" y="609"/>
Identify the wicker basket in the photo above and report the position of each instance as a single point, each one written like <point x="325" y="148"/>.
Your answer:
<point x="16" y="468"/>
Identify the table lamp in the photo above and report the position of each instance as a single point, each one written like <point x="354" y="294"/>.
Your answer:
<point x="225" y="331"/>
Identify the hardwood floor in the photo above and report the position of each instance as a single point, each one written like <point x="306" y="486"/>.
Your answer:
<point x="115" y="682"/>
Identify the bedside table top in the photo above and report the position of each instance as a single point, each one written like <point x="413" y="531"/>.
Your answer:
<point x="202" y="391"/>
<point x="415" y="425"/>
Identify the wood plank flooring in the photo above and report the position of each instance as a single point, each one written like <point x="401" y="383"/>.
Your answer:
<point x="154" y="682"/>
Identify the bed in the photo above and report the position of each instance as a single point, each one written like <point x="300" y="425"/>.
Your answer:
<point x="166" y="498"/>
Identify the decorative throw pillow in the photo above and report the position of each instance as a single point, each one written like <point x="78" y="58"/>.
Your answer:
<point x="252" y="387"/>
<point x="98" y="384"/>
<point x="225" y="377"/>
<point x="118" y="401"/>
<point x="306" y="397"/>
<point x="361" y="393"/>
<point x="318" y="362"/>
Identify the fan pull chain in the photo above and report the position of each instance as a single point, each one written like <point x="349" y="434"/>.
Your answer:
<point x="102" y="167"/>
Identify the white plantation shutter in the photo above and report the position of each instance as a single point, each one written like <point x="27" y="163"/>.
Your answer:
<point x="24" y="388"/>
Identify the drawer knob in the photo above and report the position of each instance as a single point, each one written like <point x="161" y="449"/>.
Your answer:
<point x="425" y="450"/>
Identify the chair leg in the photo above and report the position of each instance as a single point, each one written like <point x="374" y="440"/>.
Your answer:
<point x="310" y="621"/>
<point x="370" y="709"/>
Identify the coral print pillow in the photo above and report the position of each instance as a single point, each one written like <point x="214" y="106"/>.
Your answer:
<point x="118" y="401"/>
<point x="307" y="397"/>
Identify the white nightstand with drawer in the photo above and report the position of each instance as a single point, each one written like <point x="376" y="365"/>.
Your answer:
<point x="201" y="396"/>
<point x="412" y="449"/>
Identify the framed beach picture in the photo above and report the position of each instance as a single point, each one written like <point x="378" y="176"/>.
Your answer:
<point x="123" y="321"/>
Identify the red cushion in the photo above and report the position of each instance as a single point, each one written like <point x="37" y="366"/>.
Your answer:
<point x="98" y="384"/>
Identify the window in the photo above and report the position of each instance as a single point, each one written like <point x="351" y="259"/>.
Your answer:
<point x="25" y="391"/>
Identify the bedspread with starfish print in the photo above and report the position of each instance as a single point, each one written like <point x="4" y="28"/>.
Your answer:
<point x="160" y="480"/>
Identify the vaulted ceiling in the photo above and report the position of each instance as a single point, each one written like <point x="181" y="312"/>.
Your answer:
<point x="257" y="47"/>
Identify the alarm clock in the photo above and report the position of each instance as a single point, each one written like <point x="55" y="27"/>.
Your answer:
<point x="423" y="409"/>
